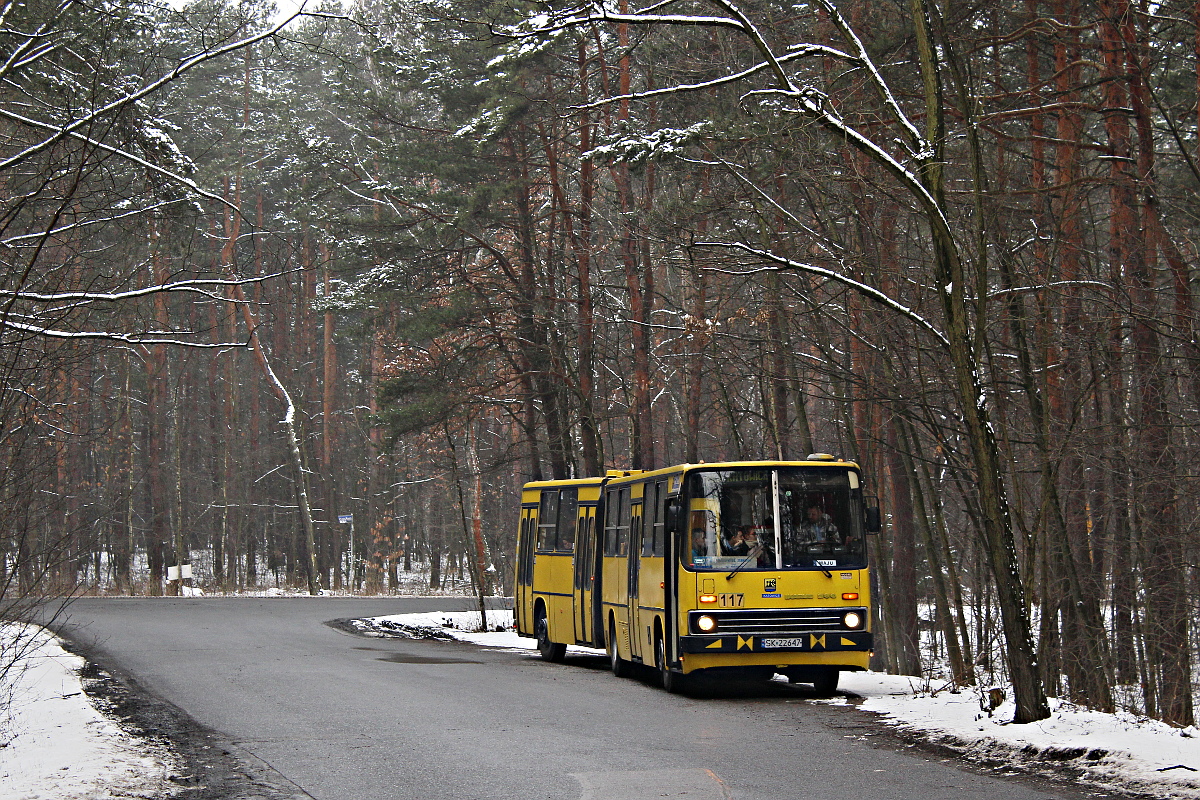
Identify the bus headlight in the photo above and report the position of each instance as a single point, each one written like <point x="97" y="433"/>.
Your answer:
<point x="706" y="624"/>
<point x="852" y="619"/>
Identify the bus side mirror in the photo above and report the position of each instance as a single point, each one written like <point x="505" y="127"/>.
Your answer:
<point x="874" y="521"/>
<point x="674" y="517"/>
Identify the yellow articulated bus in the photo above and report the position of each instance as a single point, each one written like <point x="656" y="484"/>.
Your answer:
<point x="746" y="568"/>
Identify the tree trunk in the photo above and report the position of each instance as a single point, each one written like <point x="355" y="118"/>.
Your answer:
<point x="960" y="670"/>
<point x="907" y="645"/>
<point x="1155" y="472"/>
<point x="962" y="341"/>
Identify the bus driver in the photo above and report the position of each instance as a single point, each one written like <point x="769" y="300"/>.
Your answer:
<point x="818" y="527"/>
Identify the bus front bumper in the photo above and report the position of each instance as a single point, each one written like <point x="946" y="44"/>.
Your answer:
<point x="824" y="642"/>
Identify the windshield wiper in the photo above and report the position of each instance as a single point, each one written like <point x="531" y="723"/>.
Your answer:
<point x="754" y="553"/>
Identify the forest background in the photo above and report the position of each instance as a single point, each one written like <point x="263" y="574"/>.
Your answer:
<point x="392" y="261"/>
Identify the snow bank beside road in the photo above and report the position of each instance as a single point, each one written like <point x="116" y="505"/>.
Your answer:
<point x="54" y="745"/>
<point x="460" y="626"/>
<point x="1115" y="751"/>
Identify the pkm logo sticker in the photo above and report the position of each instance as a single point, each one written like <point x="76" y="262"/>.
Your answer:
<point x="768" y="584"/>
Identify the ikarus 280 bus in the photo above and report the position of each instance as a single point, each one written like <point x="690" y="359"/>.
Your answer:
<point x="745" y="568"/>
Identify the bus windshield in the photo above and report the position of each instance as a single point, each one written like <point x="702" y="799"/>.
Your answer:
<point x="786" y="518"/>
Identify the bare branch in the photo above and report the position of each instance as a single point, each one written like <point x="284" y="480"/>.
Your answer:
<point x="72" y="128"/>
<point x="870" y="292"/>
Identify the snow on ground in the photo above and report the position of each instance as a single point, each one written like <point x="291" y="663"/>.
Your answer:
<point x="54" y="745"/>
<point x="1119" y="751"/>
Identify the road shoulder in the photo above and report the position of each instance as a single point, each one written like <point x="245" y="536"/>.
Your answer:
<point x="211" y="767"/>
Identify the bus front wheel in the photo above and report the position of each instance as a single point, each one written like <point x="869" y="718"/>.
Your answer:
<point x="672" y="682"/>
<point x="550" y="651"/>
<point x="620" y="667"/>
<point x="825" y="681"/>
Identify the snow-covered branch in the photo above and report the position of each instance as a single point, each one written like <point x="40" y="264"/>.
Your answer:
<point x="142" y="339"/>
<point x="24" y="239"/>
<point x="203" y="287"/>
<point x="34" y="45"/>
<point x="999" y="293"/>
<point x="760" y="43"/>
<point x="797" y="99"/>
<point x="60" y="133"/>
<point x="863" y="58"/>
<point x="812" y="104"/>
<point x="796" y="54"/>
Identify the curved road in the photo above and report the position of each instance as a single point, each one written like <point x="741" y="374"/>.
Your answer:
<point x="341" y="717"/>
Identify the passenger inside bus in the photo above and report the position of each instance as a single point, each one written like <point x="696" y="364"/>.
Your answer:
<point x="738" y="543"/>
<point x="747" y="541"/>
<point x="699" y="546"/>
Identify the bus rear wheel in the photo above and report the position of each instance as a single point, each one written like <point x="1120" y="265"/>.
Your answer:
<point x="620" y="667"/>
<point x="550" y="651"/>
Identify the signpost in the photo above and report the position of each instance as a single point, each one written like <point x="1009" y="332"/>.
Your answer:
<point x="179" y="572"/>
<point x="348" y="519"/>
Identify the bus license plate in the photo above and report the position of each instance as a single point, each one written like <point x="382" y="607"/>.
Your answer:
<point x="768" y="643"/>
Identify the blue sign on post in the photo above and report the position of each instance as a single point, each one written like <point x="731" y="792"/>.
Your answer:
<point x="345" y="518"/>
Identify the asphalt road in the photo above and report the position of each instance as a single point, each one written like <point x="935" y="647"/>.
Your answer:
<point x="335" y="716"/>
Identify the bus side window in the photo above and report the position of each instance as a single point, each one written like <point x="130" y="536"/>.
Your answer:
<point x="568" y="505"/>
<point x="649" y="509"/>
<point x="548" y="520"/>
<point x="610" y="522"/>
<point x="623" y="523"/>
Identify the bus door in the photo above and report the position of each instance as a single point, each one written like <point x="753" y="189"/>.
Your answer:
<point x="651" y="578"/>
<point x="564" y="600"/>
<point x="673" y="541"/>
<point x="523" y="607"/>
<point x="614" y="586"/>
<point x="636" y="644"/>
<point x="585" y="574"/>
